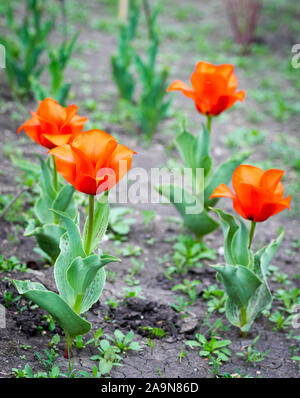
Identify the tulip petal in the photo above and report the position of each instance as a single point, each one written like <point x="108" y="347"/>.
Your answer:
<point x="58" y="139"/>
<point x="97" y="145"/>
<point x="206" y="67"/>
<point x="225" y="70"/>
<point x="32" y="129"/>
<point x="224" y="102"/>
<point x="246" y="173"/>
<point x="270" y="209"/>
<point x="222" y="191"/>
<point x="238" y="208"/>
<point x="73" y="124"/>
<point x="90" y="161"/>
<point x="213" y="88"/>
<point x="251" y="199"/>
<point x="47" y="126"/>
<point x="51" y="110"/>
<point x="121" y="160"/>
<point x="65" y="162"/>
<point x="106" y="179"/>
<point x="271" y="178"/>
<point x="267" y="210"/>
<point x="178" y="85"/>
<point x="285" y="203"/>
<point x="83" y="162"/>
<point x="85" y="184"/>
<point x="240" y="95"/>
<point x="232" y="84"/>
<point x="71" y="111"/>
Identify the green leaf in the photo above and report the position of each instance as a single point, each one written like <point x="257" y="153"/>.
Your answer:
<point x="246" y="290"/>
<point x="263" y="257"/>
<point x="101" y="218"/>
<point x="70" y="248"/>
<point x="135" y="346"/>
<point x="73" y="231"/>
<point x="192" y="343"/>
<point x="201" y="149"/>
<point x="200" y="223"/>
<point x="63" y="199"/>
<point x="48" y="238"/>
<point x="240" y="283"/>
<point x="27" y="166"/>
<point x="46" y="180"/>
<point x="261" y="297"/>
<point x="49" y="198"/>
<point x="260" y="300"/>
<point x="119" y="335"/>
<point x="63" y="93"/>
<point x="105" y="366"/>
<point x="70" y="322"/>
<point x="48" y="235"/>
<point x="82" y="271"/>
<point x="239" y="245"/>
<point x="94" y="291"/>
<point x="222" y="174"/>
<point x="41" y="208"/>
<point x="129" y="336"/>
<point x="222" y="343"/>
<point x="185" y="141"/>
<point x="229" y="227"/>
<point x="121" y="228"/>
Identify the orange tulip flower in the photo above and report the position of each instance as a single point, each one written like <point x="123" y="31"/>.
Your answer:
<point x="258" y="194"/>
<point x="52" y="124"/>
<point x="93" y="162"/>
<point x="214" y="88"/>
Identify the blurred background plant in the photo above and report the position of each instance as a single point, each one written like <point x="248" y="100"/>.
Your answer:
<point x="122" y="61"/>
<point x="243" y="17"/>
<point x="58" y="61"/>
<point x="152" y="106"/>
<point x="149" y="98"/>
<point x="26" y="42"/>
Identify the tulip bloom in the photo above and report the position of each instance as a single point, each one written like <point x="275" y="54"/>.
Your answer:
<point x="214" y="88"/>
<point x="93" y="162"/>
<point x="258" y="194"/>
<point x="53" y="125"/>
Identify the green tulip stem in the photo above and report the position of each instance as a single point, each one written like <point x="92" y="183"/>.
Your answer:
<point x="199" y="238"/>
<point x="251" y="234"/>
<point x="243" y="319"/>
<point x="208" y="125"/>
<point x="55" y="176"/>
<point x="55" y="185"/>
<point x="88" y="241"/>
<point x="68" y="346"/>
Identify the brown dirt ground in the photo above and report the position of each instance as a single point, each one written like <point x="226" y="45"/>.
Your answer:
<point x="155" y="310"/>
